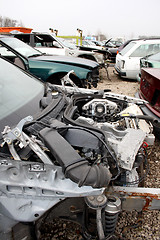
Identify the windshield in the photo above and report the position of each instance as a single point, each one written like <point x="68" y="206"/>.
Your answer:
<point x="90" y="43"/>
<point x="21" y="47"/>
<point x="67" y="43"/>
<point x="155" y="57"/>
<point x="127" y="48"/>
<point x="20" y="93"/>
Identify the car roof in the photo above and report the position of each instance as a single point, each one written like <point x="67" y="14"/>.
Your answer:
<point x="146" y="40"/>
<point x="33" y="33"/>
<point x="5" y="35"/>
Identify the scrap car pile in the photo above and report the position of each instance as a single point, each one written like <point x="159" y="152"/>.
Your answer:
<point x="67" y="152"/>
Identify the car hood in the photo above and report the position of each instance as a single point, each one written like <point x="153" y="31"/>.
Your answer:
<point x="87" y="49"/>
<point x="67" y="60"/>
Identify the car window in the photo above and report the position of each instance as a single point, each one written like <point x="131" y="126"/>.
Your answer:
<point x="44" y="40"/>
<point x="127" y="48"/>
<point x="25" y="38"/>
<point x="88" y="43"/>
<point x="5" y="52"/>
<point x="66" y="43"/>
<point x="155" y="57"/>
<point x="20" y="46"/>
<point x="146" y="49"/>
<point x="17" y="89"/>
<point x="12" y="57"/>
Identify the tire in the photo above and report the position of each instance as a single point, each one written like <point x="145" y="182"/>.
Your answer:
<point x="156" y="129"/>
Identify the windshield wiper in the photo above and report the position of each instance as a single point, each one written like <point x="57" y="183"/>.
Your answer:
<point x="35" y="55"/>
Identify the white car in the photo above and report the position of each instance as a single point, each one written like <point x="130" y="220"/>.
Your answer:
<point x="50" y="44"/>
<point x="128" y="59"/>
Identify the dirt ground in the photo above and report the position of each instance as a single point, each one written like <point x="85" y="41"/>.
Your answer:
<point x="150" y="219"/>
<point x="117" y="84"/>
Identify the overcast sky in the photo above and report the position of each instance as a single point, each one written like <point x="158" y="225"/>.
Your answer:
<point x="114" y="18"/>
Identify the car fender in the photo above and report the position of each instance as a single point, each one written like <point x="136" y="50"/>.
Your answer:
<point x="45" y="70"/>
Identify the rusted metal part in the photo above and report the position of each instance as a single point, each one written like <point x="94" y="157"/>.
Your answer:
<point x="137" y="198"/>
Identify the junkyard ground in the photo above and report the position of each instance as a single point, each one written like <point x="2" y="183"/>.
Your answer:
<point x="128" y="224"/>
<point x="149" y="229"/>
<point x="116" y="84"/>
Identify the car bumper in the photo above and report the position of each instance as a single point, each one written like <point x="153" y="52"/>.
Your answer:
<point x="146" y="110"/>
<point x="156" y="122"/>
<point x="138" y="78"/>
<point x="121" y="74"/>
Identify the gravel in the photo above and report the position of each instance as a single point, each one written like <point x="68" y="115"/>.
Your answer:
<point x="149" y="227"/>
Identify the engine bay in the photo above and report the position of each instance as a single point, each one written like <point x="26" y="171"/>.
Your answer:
<point x="80" y="147"/>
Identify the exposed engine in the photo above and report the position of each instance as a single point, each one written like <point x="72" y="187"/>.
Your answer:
<point x="86" y="143"/>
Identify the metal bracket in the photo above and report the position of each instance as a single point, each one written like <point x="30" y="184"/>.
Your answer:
<point x="10" y="135"/>
<point x="66" y="79"/>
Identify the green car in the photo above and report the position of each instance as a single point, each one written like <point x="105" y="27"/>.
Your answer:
<point x="49" y="68"/>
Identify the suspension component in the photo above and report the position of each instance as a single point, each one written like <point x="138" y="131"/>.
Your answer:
<point x="98" y="203"/>
<point x="112" y="210"/>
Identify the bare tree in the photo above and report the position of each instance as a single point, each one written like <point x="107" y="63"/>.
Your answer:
<point x="8" y="22"/>
<point x="1" y="21"/>
<point x="20" y="24"/>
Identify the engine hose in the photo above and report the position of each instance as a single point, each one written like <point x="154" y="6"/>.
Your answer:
<point x="68" y="114"/>
<point x="103" y="142"/>
<point x="87" y="130"/>
<point x="83" y="174"/>
<point x="73" y="165"/>
<point x="142" y="117"/>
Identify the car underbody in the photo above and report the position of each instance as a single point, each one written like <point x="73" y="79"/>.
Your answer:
<point x="82" y="159"/>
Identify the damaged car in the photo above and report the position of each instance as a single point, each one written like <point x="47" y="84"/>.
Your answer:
<point x="62" y="156"/>
<point x="50" y="44"/>
<point x="150" y="91"/>
<point x="49" y="68"/>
